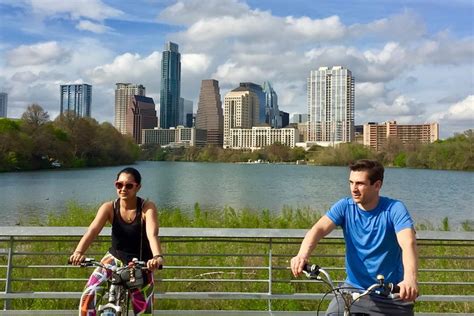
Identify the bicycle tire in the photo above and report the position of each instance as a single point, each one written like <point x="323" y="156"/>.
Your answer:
<point x="108" y="312"/>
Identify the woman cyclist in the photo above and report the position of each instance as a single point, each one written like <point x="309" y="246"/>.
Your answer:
<point x="134" y="235"/>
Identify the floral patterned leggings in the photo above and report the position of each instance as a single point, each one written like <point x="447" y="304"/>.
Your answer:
<point x="142" y="298"/>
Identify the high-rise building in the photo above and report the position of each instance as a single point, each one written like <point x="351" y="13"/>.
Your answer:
<point x="241" y="110"/>
<point x="3" y="104"/>
<point x="141" y="114"/>
<point x="209" y="113"/>
<point x="76" y="98"/>
<point x="185" y="109"/>
<point x="257" y="89"/>
<point x="170" y="86"/>
<point x="331" y="105"/>
<point x="376" y="135"/>
<point x="299" y="118"/>
<point x="272" y="114"/>
<point x="123" y="94"/>
<point x="285" y="118"/>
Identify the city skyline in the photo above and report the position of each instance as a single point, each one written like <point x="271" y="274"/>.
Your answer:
<point x="412" y="61"/>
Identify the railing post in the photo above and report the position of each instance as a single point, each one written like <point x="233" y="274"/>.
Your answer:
<point x="7" y="303"/>
<point x="270" y="276"/>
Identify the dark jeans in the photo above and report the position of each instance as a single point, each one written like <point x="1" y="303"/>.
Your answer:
<point x="372" y="305"/>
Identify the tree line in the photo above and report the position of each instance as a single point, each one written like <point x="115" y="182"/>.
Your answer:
<point x="36" y="142"/>
<point x="454" y="153"/>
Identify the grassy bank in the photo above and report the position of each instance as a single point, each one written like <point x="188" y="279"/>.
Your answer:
<point x="231" y="253"/>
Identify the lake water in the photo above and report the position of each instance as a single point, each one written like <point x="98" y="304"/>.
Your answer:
<point x="430" y="195"/>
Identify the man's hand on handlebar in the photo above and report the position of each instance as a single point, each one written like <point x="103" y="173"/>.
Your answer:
<point x="408" y="290"/>
<point x="76" y="258"/>
<point x="297" y="264"/>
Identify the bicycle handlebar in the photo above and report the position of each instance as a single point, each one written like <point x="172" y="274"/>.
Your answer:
<point x="91" y="262"/>
<point x="313" y="271"/>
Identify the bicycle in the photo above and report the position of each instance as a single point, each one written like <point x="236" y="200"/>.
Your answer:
<point x="388" y="290"/>
<point x="123" y="279"/>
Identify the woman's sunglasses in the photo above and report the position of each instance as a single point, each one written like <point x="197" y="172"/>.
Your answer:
<point x="128" y="186"/>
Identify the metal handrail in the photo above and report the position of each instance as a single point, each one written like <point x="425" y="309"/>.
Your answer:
<point x="268" y="237"/>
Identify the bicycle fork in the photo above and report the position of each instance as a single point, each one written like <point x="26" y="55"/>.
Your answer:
<point x="113" y="307"/>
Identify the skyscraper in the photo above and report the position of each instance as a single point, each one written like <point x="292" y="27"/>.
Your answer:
<point x="272" y="113"/>
<point x="141" y="114"/>
<point x="123" y="92"/>
<point x="209" y="113"/>
<point x="170" y="86"/>
<point x="241" y="110"/>
<point x="331" y="105"/>
<point x="3" y="104"/>
<point x="76" y="98"/>
<point x="185" y="110"/>
<point x="257" y="89"/>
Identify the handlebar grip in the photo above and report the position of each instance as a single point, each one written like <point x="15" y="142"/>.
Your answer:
<point x="394" y="288"/>
<point x="160" y="267"/>
<point x="311" y="268"/>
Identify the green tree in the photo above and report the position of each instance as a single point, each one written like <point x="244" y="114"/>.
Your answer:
<point x="34" y="117"/>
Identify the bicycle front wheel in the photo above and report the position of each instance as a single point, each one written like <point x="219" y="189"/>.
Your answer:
<point x="109" y="312"/>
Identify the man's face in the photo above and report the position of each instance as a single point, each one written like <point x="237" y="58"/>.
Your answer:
<point x="362" y="191"/>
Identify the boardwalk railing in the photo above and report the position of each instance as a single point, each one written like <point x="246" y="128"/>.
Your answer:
<point x="213" y="264"/>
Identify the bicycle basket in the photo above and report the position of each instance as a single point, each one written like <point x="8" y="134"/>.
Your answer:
<point x="129" y="278"/>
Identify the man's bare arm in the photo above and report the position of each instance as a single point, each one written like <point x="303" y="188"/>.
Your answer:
<point x="322" y="228"/>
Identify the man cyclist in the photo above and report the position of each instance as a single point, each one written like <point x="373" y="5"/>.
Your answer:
<point x="379" y="237"/>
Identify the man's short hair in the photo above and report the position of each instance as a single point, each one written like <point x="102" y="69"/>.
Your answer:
<point x="374" y="168"/>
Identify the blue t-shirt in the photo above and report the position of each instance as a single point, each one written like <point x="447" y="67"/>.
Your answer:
<point x="371" y="242"/>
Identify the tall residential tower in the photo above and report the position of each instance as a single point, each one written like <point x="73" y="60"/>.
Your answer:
<point x="170" y="86"/>
<point x="123" y="94"/>
<point x="331" y="105"/>
<point x="76" y="98"/>
<point x="3" y="104"/>
<point x="209" y="113"/>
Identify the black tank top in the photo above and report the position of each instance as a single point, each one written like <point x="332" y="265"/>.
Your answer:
<point x="126" y="236"/>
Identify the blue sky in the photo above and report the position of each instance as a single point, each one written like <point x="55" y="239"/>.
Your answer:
<point x="412" y="60"/>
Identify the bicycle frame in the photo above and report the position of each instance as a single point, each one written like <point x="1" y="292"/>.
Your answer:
<point x="117" y="291"/>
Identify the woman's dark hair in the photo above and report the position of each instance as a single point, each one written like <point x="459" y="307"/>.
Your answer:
<point x="374" y="168"/>
<point x="134" y="172"/>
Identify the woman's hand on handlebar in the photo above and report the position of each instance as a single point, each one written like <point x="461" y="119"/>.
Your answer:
<point x="155" y="263"/>
<point x="408" y="290"/>
<point x="297" y="264"/>
<point x="76" y="258"/>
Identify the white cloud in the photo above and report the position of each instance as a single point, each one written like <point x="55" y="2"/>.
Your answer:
<point x="400" y="27"/>
<point x="25" y="77"/>
<point x="188" y="12"/>
<point x="86" y="25"/>
<point x="401" y="106"/>
<point x="233" y="73"/>
<point x="91" y="9"/>
<point x="37" y="54"/>
<point x="127" y="67"/>
<point x="195" y="63"/>
<point x="403" y="109"/>
<point x="367" y="92"/>
<point x="317" y="29"/>
<point x="462" y="111"/>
